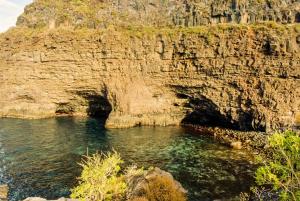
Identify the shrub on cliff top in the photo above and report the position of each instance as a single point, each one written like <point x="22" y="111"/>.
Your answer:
<point x="282" y="171"/>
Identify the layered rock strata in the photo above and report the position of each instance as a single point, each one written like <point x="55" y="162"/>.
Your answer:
<point x="242" y="77"/>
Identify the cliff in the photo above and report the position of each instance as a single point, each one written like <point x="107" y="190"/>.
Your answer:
<point x="158" y="13"/>
<point x="241" y="76"/>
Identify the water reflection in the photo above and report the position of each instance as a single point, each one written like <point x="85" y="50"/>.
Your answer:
<point x="39" y="157"/>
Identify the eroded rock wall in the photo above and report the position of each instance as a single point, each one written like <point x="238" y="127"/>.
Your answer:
<point x="245" y="77"/>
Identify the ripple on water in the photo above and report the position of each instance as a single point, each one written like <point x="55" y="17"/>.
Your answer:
<point x="39" y="157"/>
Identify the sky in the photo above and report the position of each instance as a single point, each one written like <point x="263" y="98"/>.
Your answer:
<point x="9" y="11"/>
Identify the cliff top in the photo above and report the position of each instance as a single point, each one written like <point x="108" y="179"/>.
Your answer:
<point x="157" y="13"/>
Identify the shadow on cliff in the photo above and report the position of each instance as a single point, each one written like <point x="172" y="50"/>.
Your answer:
<point x="297" y="18"/>
<point x="205" y="112"/>
<point x="98" y="105"/>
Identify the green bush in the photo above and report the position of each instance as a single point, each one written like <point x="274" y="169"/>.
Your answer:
<point x="281" y="171"/>
<point x="100" y="179"/>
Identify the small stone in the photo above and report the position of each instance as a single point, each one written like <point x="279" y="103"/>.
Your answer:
<point x="3" y="192"/>
<point x="35" y="199"/>
<point x="248" y="141"/>
<point x="236" y="145"/>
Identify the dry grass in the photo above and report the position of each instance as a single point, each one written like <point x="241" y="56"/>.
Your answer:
<point x="163" y="189"/>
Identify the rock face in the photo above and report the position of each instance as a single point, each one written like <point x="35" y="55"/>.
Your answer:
<point x="156" y="73"/>
<point x="243" y="77"/>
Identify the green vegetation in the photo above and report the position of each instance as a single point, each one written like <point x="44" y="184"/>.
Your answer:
<point x="281" y="171"/>
<point x="69" y="12"/>
<point x="207" y="32"/>
<point x="101" y="180"/>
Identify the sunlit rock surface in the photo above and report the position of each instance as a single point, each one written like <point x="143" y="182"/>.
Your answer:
<point x="230" y="75"/>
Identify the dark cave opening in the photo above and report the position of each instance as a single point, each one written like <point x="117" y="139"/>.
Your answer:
<point x="297" y="17"/>
<point x="98" y="105"/>
<point x="268" y="48"/>
<point x="206" y="113"/>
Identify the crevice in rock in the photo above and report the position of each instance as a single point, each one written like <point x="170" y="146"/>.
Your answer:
<point x="267" y="48"/>
<point x="297" y="17"/>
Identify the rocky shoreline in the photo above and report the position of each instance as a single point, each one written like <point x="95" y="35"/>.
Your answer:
<point x="137" y="186"/>
<point x="250" y="140"/>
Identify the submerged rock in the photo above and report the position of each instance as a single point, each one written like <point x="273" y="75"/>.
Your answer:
<point x="251" y="140"/>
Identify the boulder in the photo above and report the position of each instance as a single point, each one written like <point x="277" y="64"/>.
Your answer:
<point x="138" y="185"/>
<point x="236" y="145"/>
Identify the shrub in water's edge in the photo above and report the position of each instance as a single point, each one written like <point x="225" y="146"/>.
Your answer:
<point x="101" y="180"/>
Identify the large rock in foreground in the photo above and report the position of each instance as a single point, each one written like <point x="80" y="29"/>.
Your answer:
<point x="153" y="184"/>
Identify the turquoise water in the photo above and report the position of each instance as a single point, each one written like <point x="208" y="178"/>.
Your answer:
<point x="39" y="157"/>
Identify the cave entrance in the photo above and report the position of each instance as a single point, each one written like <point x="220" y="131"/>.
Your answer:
<point x="206" y="113"/>
<point x="98" y="105"/>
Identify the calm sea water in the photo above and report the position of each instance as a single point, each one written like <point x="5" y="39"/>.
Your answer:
<point x="39" y="157"/>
